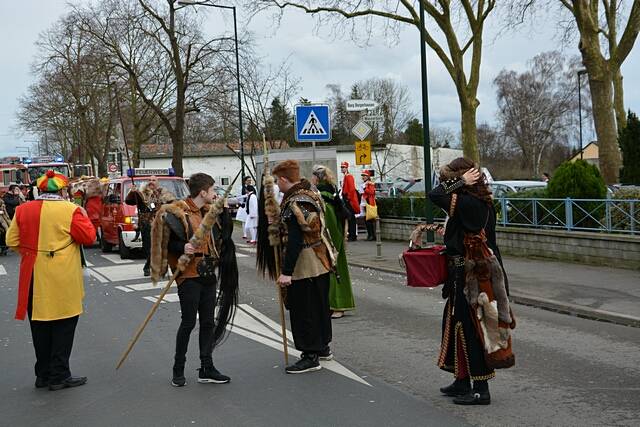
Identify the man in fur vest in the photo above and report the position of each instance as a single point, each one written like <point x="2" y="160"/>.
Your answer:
<point x="308" y="258"/>
<point x="172" y="232"/>
<point x="148" y="201"/>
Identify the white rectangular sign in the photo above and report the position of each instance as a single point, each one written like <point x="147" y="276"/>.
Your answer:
<point x="361" y="104"/>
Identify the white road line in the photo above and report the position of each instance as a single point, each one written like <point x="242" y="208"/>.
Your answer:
<point x="115" y="258"/>
<point x="88" y="264"/>
<point x="254" y="323"/>
<point x="124" y="289"/>
<point x="167" y="298"/>
<point x="3" y="272"/>
<point x="118" y="273"/>
<point x="99" y="277"/>
<point x="241" y="255"/>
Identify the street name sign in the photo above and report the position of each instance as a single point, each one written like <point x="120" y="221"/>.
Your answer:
<point x="372" y="118"/>
<point x="363" y="153"/>
<point x="361" y="130"/>
<point x="361" y="104"/>
<point x="313" y="123"/>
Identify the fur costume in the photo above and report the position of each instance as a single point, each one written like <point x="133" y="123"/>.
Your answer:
<point x="5" y="221"/>
<point x="173" y="217"/>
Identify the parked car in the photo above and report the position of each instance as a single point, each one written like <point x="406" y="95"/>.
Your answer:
<point x="232" y="200"/>
<point x="503" y="188"/>
<point x="119" y="221"/>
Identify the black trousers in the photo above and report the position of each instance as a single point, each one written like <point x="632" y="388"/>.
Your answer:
<point x="145" y="230"/>
<point x="308" y="303"/>
<point x="53" y="341"/>
<point x="352" y="233"/>
<point x="197" y="296"/>
<point x="371" y="229"/>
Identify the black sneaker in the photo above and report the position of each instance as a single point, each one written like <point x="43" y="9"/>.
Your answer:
<point x="474" y="398"/>
<point x="308" y="363"/>
<point x="178" y="379"/>
<point x="326" y="354"/>
<point x="212" y="376"/>
<point x="41" y="382"/>
<point x="69" y="382"/>
<point x="457" y="388"/>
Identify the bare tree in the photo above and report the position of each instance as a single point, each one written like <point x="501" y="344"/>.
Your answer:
<point x="535" y="108"/>
<point x="598" y="23"/>
<point x="175" y="48"/>
<point x="456" y="37"/>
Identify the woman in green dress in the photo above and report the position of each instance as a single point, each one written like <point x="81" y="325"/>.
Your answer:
<point x="340" y="292"/>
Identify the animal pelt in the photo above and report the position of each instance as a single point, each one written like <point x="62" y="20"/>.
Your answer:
<point x="5" y="221"/>
<point x="495" y="337"/>
<point x="487" y="269"/>
<point x="160" y="233"/>
<point x="415" y="239"/>
<point x="268" y="228"/>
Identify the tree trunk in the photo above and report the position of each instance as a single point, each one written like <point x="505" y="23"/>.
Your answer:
<point x="603" y="116"/>
<point x="618" y="100"/>
<point x="469" y="133"/>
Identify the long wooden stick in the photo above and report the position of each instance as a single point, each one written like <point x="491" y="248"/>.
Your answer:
<point x="143" y="325"/>
<point x="136" y="336"/>
<point x="283" y="321"/>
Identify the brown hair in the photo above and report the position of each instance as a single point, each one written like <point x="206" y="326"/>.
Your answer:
<point x="200" y="182"/>
<point x="457" y="168"/>
<point x="289" y="169"/>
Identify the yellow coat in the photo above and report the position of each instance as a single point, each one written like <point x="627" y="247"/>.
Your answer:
<point x="48" y="234"/>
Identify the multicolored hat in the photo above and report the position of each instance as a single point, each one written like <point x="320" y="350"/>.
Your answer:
<point x="52" y="182"/>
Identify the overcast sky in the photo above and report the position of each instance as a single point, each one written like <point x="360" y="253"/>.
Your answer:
<point x="315" y="58"/>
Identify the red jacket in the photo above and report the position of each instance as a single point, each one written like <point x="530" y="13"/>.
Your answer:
<point x="349" y="192"/>
<point x="369" y="193"/>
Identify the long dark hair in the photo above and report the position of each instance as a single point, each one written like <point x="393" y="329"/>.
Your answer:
<point x="457" y="168"/>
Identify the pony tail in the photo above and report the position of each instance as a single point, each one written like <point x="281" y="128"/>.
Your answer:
<point x="227" y="300"/>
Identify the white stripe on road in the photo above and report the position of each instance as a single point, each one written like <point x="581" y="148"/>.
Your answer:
<point x="167" y="298"/>
<point x="119" y="273"/>
<point x="2" y="270"/>
<point x="239" y="255"/>
<point x="124" y="289"/>
<point x="115" y="258"/>
<point x="98" y="276"/>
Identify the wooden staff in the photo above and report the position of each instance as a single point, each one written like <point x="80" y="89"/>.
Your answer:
<point x="184" y="259"/>
<point x="275" y="244"/>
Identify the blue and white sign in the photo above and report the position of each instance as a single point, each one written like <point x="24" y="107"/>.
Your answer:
<point x="313" y="123"/>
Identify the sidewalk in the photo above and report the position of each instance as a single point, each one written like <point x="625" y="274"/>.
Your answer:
<point x="600" y="293"/>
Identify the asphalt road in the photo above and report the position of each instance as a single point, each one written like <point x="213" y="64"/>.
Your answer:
<point x="569" y="371"/>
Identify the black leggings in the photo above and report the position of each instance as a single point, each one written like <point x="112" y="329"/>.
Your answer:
<point x="196" y="297"/>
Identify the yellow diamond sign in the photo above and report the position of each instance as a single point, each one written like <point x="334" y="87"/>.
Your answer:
<point x="363" y="153"/>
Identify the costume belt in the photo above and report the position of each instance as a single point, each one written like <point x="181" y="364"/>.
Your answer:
<point x="455" y="260"/>
<point x="312" y="244"/>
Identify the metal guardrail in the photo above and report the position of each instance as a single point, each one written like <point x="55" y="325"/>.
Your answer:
<point x="596" y="215"/>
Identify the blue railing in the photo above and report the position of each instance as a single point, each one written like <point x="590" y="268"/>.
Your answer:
<point x="599" y="215"/>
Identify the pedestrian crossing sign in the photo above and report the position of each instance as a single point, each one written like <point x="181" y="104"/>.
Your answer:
<point x="313" y="123"/>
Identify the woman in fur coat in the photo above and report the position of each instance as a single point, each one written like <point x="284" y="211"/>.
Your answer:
<point x="464" y="194"/>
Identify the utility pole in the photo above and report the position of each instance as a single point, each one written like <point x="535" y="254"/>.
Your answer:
<point x="425" y="123"/>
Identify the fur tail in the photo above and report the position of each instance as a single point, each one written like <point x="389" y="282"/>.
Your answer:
<point x="265" y="256"/>
<point x="228" y="271"/>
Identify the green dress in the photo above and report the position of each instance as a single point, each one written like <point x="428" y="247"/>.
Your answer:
<point x="340" y="292"/>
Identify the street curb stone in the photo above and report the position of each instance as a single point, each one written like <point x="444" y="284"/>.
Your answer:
<point x="542" y="303"/>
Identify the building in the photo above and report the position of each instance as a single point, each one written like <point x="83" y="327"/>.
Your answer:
<point x="589" y="153"/>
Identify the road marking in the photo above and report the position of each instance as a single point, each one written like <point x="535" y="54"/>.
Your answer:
<point x="98" y="276"/>
<point x="167" y="298"/>
<point x="240" y="255"/>
<point x="115" y="258"/>
<point x="256" y="326"/>
<point x="124" y="289"/>
<point x="148" y="286"/>
<point x="88" y="264"/>
<point x="119" y="273"/>
<point x="3" y="272"/>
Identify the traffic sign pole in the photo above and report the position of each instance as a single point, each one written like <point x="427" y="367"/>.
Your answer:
<point x="425" y="124"/>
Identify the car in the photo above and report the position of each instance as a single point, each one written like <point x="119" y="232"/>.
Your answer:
<point x="119" y="221"/>
<point x="232" y="199"/>
<point x="503" y="188"/>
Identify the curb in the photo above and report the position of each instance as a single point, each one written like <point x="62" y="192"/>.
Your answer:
<point x="542" y="303"/>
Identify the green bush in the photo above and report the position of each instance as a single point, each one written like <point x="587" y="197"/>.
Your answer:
<point x="405" y="207"/>
<point x="629" y="141"/>
<point x="577" y="180"/>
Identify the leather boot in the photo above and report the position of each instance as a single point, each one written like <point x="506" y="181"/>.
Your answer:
<point x="459" y="387"/>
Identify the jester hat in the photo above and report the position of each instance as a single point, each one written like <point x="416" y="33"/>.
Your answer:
<point x="52" y="182"/>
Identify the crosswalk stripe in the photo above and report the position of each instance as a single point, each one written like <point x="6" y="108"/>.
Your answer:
<point x="241" y="255"/>
<point x="2" y="270"/>
<point x="115" y="258"/>
<point x="167" y="298"/>
<point x="124" y="289"/>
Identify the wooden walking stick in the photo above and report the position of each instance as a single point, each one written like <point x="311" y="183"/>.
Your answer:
<point x="196" y="240"/>
<point x="268" y="256"/>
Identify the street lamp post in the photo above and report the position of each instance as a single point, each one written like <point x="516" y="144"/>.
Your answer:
<point x="235" y="31"/>
<point x="580" y="72"/>
<point x="425" y="122"/>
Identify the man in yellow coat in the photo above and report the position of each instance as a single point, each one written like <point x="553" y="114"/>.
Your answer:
<point x="48" y="232"/>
